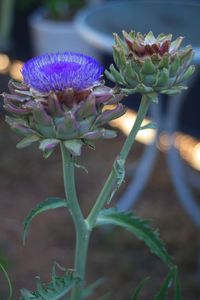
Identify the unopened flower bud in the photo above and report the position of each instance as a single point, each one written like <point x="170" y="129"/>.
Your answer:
<point x="149" y="65"/>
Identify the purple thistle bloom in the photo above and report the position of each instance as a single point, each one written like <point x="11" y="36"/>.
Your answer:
<point x="61" y="71"/>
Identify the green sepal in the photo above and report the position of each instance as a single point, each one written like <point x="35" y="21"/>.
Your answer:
<point x="119" y="57"/>
<point x="190" y="70"/>
<point x="40" y="115"/>
<point x="116" y="75"/>
<point x="129" y="74"/>
<point x="87" y="108"/>
<point x="139" y="288"/>
<point x="74" y="146"/>
<point x="148" y="67"/>
<point x="66" y="127"/>
<point x="45" y="131"/>
<point x="19" y="126"/>
<point x="47" y="146"/>
<point x="100" y="133"/>
<point x="48" y="204"/>
<point x="164" y="63"/>
<point x="140" y="227"/>
<point x="174" y="66"/>
<point x="27" y="141"/>
<point x="140" y="88"/>
<point x="148" y="80"/>
<point x="174" y="90"/>
<point x="109" y="76"/>
<point x="163" y="78"/>
<point x="118" y="41"/>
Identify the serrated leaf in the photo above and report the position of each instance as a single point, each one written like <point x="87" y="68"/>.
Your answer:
<point x="55" y="290"/>
<point x="140" y="227"/>
<point x="47" y="204"/>
<point x="139" y="288"/>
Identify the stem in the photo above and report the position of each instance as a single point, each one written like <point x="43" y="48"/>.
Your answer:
<point x="112" y="180"/>
<point x="82" y="229"/>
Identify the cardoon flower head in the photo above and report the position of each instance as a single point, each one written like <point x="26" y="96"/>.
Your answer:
<point x="61" y="71"/>
<point x="149" y="65"/>
<point x="62" y="99"/>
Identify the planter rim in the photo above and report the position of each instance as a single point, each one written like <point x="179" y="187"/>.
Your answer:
<point x="88" y="19"/>
<point x="37" y="20"/>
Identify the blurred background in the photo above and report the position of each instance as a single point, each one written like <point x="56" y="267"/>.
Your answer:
<point x="164" y="165"/>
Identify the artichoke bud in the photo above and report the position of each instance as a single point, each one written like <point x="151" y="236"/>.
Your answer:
<point x="149" y="65"/>
<point x="71" y="117"/>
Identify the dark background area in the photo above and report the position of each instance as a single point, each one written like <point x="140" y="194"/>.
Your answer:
<point x="26" y="179"/>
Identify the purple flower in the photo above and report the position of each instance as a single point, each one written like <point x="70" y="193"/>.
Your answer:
<point x="61" y="71"/>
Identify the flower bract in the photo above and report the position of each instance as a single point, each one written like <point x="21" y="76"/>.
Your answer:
<point x="150" y="65"/>
<point x="62" y="99"/>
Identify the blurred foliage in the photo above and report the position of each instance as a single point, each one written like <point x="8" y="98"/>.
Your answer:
<point x="57" y="9"/>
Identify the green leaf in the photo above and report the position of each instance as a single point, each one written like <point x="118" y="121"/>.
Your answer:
<point x="139" y="288"/>
<point x="47" y="204"/>
<point x="119" y="170"/>
<point x="105" y="297"/>
<point x="8" y="281"/>
<point x="56" y="289"/>
<point x="177" y="292"/>
<point x="162" y="294"/>
<point x="140" y="227"/>
<point x="89" y="290"/>
<point x="150" y="125"/>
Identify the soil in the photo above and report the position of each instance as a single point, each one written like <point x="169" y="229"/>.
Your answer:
<point x="26" y="179"/>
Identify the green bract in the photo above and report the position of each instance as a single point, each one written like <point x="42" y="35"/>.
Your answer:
<point x="75" y="118"/>
<point x="149" y="65"/>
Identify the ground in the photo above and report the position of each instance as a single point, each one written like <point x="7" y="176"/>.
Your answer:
<point x="26" y="179"/>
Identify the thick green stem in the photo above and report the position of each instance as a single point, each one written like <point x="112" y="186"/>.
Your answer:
<point x="82" y="230"/>
<point x="112" y="181"/>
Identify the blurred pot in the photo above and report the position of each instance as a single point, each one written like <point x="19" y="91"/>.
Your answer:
<point x="54" y="36"/>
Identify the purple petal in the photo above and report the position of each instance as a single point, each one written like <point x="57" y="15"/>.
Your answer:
<point x="60" y="71"/>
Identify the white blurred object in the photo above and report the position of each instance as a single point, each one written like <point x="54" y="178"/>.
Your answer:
<point x="53" y="36"/>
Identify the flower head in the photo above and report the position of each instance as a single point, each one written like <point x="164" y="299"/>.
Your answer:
<point x="61" y="71"/>
<point x="150" y="65"/>
<point x="62" y="99"/>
